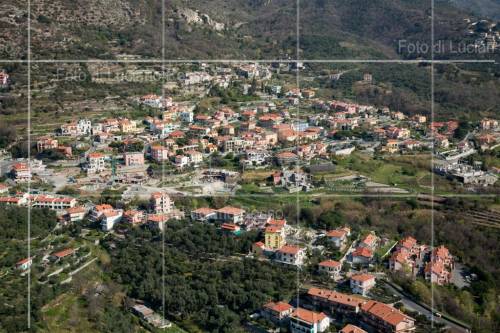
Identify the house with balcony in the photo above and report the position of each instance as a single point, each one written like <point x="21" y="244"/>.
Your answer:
<point x="290" y="255"/>
<point x="330" y="267"/>
<point x="362" y="283"/>
<point x="303" y="320"/>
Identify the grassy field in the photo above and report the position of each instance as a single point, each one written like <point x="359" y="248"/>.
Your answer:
<point x="407" y="172"/>
<point x="66" y="314"/>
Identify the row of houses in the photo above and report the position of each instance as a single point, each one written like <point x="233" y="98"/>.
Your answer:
<point x="371" y="315"/>
<point x="413" y="259"/>
<point x="57" y="203"/>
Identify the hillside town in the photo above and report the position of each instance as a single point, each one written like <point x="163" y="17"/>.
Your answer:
<point x="112" y="174"/>
<point x="266" y="141"/>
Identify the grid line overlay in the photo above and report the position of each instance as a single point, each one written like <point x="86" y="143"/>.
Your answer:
<point x="433" y="212"/>
<point x="29" y="163"/>
<point x="297" y="61"/>
<point x="163" y="26"/>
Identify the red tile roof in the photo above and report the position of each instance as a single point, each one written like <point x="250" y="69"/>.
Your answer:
<point x="231" y="210"/>
<point x="330" y="263"/>
<point x="308" y="316"/>
<point x="385" y="312"/>
<point x="369" y="239"/>
<point x="352" y="329"/>
<point x="75" y="210"/>
<point x="290" y="249"/>
<point x="64" y="253"/>
<point x="362" y="252"/>
<point x="408" y="242"/>
<point x="336" y="233"/>
<point x="278" y="306"/>
<point x="273" y="229"/>
<point x="362" y="277"/>
<point x="336" y="297"/>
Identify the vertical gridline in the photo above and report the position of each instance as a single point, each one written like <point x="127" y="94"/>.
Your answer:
<point x="29" y="163"/>
<point x="432" y="156"/>
<point x="162" y="81"/>
<point x="297" y="120"/>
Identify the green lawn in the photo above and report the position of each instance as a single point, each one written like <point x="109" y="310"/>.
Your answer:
<point x="399" y="171"/>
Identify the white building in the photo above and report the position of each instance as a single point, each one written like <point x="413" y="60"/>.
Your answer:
<point x="331" y="267"/>
<point x="84" y="127"/>
<point x="339" y="237"/>
<point x="230" y="214"/>
<point x="110" y="218"/>
<point x="97" y="212"/>
<point x="95" y="163"/>
<point x="305" y="321"/>
<point x="362" y="283"/>
<point x="290" y="255"/>
<point x="181" y="161"/>
<point x="161" y="203"/>
<point x="195" y="157"/>
<point x="51" y="202"/>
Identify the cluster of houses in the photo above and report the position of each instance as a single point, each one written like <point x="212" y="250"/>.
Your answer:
<point x="161" y="209"/>
<point x="413" y="259"/>
<point x="369" y="315"/>
<point x="57" y="256"/>
<point x="486" y="34"/>
<point x="261" y="134"/>
<point x="185" y="138"/>
<point x="53" y="202"/>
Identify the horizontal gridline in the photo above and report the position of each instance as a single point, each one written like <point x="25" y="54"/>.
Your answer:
<point x="223" y="61"/>
<point x="323" y="195"/>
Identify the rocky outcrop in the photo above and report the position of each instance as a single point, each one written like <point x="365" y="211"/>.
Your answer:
<point x="193" y="17"/>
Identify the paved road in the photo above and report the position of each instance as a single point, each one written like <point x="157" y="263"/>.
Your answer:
<point x="409" y="304"/>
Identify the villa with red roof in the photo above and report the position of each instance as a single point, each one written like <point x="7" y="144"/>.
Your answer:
<point x="362" y="256"/>
<point x="442" y="254"/>
<point x="331" y="267"/>
<point x="75" y="214"/>
<point x="24" y="264"/>
<point x="290" y="255"/>
<point x="339" y="237"/>
<point x="362" y="283"/>
<point x="369" y="241"/>
<point x="203" y="214"/>
<point x="63" y="253"/>
<point x="436" y="272"/>
<point x="230" y="214"/>
<point x="303" y="320"/>
<point x="277" y="312"/>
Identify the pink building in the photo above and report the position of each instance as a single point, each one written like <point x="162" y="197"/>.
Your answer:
<point x="46" y="143"/>
<point x="133" y="159"/>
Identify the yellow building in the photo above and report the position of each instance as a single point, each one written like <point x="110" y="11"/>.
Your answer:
<point x="128" y="126"/>
<point x="274" y="237"/>
<point x="392" y="146"/>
